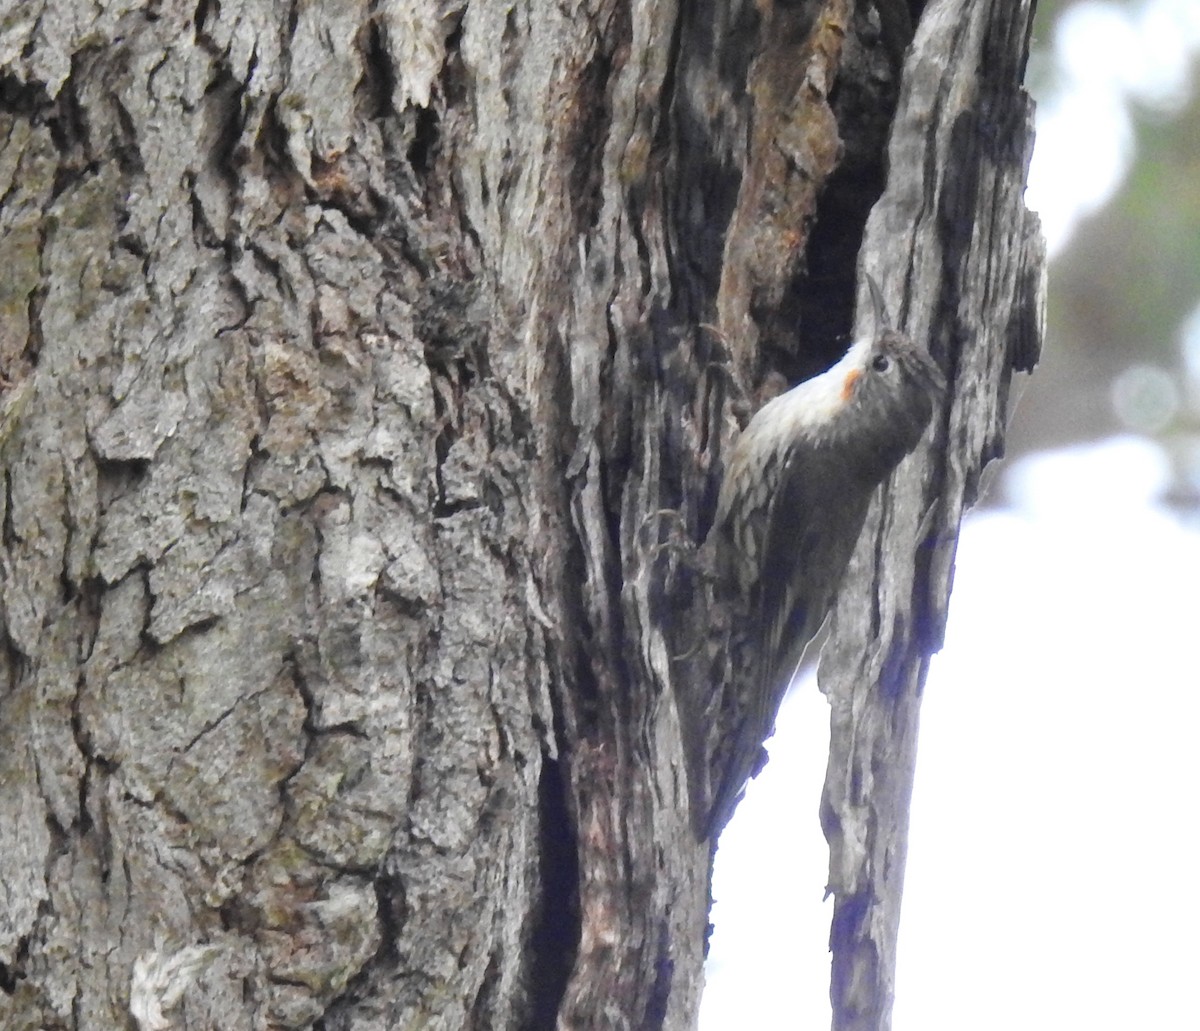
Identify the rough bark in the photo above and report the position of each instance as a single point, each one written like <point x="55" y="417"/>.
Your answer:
<point x="967" y="270"/>
<point x="366" y="371"/>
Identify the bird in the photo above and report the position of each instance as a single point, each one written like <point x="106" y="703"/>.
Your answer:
<point x="791" y="506"/>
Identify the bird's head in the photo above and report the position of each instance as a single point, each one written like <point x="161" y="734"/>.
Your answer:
<point x="889" y="387"/>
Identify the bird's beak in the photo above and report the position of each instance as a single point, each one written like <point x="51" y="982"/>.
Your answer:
<point x="882" y="321"/>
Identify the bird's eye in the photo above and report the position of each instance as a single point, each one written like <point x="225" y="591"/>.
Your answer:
<point x="881" y="363"/>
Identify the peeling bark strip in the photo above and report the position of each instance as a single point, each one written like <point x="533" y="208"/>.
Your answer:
<point x="794" y="148"/>
<point x="365" y="375"/>
<point x="964" y="262"/>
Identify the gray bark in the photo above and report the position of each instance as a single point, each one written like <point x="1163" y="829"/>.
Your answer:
<point x="352" y="358"/>
<point x="969" y="277"/>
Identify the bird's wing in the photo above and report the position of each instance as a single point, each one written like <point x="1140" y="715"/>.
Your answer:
<point x="810" y="534"/>
<point x="803" y="544"/>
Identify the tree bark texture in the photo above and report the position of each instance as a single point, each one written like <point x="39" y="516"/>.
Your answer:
<point x="968" y="276"/>
<point x="365" y="375"/>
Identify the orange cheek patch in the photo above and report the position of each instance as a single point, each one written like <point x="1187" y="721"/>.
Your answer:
<point x="852" y="377"/>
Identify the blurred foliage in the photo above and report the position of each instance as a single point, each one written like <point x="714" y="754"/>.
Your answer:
<point x="1121" y="290"/>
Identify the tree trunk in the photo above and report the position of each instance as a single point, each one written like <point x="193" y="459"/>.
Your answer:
<point x="969" y="278"/>
<point x="366" y="374"/>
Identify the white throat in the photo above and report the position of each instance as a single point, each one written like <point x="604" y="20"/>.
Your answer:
<point x="816" y="401"/>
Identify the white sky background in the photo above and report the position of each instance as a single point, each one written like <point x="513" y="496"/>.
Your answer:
<point x="1053" y="838"/>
